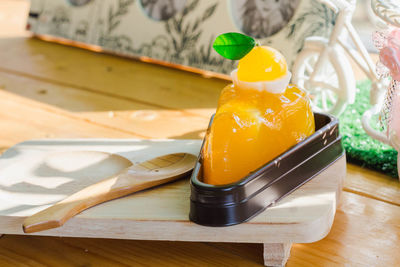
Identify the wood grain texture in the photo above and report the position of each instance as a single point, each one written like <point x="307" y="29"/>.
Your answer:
<point x="54" y="74"/>
<point x="110" y="75"/>
<point x="365" y="231"/>
<point x="119" y="113"/>
<point x="276" y="254"/>
<point x="109" y="252"/>
<point x="22" y="119"/>
<point x="30" y="186"/>
<point x="372" y="184"/>
<point x="147" y="174"/>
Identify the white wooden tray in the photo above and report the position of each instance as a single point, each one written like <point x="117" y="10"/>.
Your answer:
<point x="33" y="176"/>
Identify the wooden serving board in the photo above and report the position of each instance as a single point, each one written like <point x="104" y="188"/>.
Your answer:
<point x="36" y="174"/>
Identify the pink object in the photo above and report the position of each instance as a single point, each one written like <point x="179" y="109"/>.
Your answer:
<point x="388" y="42"/>
<point x="390" y="57"/>
<point x="393" y="39"/>
<point x="394" y="117"/>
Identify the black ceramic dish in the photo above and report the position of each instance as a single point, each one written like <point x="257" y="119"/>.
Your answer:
<point x="235" y="203"/>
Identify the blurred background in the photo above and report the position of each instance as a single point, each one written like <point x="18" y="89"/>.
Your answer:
<point x="13" y="18"/>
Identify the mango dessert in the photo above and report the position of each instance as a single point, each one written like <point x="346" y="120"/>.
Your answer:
<point x="259" y="116"/>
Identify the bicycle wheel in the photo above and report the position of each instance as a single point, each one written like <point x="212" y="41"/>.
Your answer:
<point x="331" y="89"/>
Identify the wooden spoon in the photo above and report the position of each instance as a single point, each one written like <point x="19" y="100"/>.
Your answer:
<point x="145" y="175"/>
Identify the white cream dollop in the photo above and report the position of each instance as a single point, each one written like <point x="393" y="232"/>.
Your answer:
<point x="276" y="86"/>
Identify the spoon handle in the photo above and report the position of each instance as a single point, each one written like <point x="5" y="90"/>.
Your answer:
<point x="130" y="180"/>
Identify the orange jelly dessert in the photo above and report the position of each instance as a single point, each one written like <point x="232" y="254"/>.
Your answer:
<point x="259" y="116"/>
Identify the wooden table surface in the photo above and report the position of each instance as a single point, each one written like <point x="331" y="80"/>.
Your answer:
<point x="52" y="91"/>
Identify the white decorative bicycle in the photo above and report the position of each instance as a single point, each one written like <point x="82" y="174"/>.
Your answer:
<point x="324" y="70"/>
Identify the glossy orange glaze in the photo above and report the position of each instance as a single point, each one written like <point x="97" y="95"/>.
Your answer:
<point x="252" y="127"/>
<point x="262" y="63"/>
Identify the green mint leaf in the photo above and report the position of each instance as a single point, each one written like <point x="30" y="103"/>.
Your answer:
<point x="233" y="45"/>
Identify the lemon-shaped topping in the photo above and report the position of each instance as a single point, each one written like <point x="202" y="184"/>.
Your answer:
<point x="262" y="63"/>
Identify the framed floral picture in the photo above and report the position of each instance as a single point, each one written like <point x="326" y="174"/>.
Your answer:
<point x="180" y="31"/>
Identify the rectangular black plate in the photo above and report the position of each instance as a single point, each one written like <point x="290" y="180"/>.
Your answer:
<point x="239" y="202"/>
